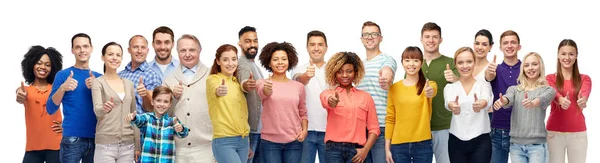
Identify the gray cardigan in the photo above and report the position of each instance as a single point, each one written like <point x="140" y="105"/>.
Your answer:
<point x="527" y="126"/>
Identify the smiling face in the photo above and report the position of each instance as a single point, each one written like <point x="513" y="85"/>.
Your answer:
<point x="279" y="62"/>
<point x="42" y="68"/>
<point x="249" y="44"/>
<point x="316" y="48"/>
<point x="162" y="44"/>
<point x="371" y="37"/>
<point x="138" y="48"/>
<point x="113" y="57"/>
<point x="567" y="55"/>
<point x="464" y="63"/>
<point x="189" y="52"/>
<point x="509" y="45"/>
<point x="411" y="66"/>
<point x="531" y="67"/>
<point x="161" y="103"/>
<point x="228" y="62"/>
<point x="345" y="75"/>
<point x="482" y="46"/>
<point x="82" y="49"/>
<point x="431" y="40"/>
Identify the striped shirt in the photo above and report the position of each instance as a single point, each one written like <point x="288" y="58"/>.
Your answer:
<point x="370" y="83"/>
<point x="151" y="80"/>
<point x="158" y="142"/>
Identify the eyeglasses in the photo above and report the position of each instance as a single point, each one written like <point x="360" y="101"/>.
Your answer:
<point x="372" y="35"/>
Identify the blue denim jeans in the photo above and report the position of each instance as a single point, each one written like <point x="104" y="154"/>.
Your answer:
<point x="255" y="147"/>
<point x="315" y="141"/>
<point x="377" y="152"/>
<point x="529" y="153"/>
<point x="280" y="152"/>
<point x="336" y="152"/>
<point x="500" y="145"/>
<point x="231" y="149"/>
<point x="415" y="152"/>
<point x="74" y="149"/>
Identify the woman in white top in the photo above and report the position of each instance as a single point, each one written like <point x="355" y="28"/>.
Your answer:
<point x="482" y="46"/>
<point x="468" y="99"/>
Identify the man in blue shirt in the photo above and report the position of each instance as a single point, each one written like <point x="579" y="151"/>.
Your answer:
<point x="162" y="42"/>
<point x="72" y="88"/>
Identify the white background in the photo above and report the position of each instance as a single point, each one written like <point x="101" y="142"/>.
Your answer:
<point x="541" y="26"/>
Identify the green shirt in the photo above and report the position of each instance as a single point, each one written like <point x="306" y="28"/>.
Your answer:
<point x="440" y="117"/>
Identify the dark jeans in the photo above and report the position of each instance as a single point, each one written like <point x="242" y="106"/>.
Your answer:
<point x="336" y="152"/>
<point x="476" y="150"/>
<point x="49" y="156"/>
<point x="74" y="149"/>
<point x="280" y="152"/>
<point x="377" y="152"/>
<point x="255" y="147"/>
<point x="415" y="152"/>
<point x="500" y="145"/>
<point x="314" y="142"/>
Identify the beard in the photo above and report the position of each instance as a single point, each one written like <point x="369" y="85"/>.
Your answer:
<point x="250" y="55"/>
<point x="160" y="57"/>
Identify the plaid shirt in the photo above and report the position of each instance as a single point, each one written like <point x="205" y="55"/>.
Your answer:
<point x="158" y="143"/>
<point x="151" y="80"/>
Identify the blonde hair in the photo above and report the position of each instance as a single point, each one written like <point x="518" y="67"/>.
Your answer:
<point x="522" y="79"/>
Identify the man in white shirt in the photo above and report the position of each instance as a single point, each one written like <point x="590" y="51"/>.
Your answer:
<point x="312" y="75"/>
<point x="162" y="42"/>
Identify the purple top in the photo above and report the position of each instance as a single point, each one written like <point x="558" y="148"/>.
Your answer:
<point x="506" y="76"/>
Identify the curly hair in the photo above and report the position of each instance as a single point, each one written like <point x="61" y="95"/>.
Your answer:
<point x="34" y="55"/>
<point x="338" y="60"/>
<point x="269" y="49"/>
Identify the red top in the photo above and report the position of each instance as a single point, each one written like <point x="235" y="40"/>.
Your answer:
<point x="572" y="119"/>
<point x="39" y="131"/>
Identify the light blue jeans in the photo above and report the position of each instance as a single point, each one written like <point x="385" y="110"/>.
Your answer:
<point x="231" y="149"/>
<point x="440" y="146"/>
<point x="529" y="153"/>
<point x="314" y="142"/>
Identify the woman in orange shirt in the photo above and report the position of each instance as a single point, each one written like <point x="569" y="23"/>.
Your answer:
<point x="350" y="112"/>
<point x="39" y="67"/>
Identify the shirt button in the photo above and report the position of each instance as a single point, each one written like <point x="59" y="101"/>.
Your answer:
<point x="188" y="114"/>
<point x="188" y="99"/>
<point x="189" y="144"/>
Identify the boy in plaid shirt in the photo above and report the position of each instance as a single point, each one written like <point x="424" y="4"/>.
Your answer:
<point x="158" y="140"/>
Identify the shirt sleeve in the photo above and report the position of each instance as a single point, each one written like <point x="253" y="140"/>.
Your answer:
<point x="184" y="133"/>
<point x="510" y="95"/>
<point x="243" y="74"/>
<point x="487" y="94"/>
<point x="140" y="120"/>
<point x="372" y="122"/>
<point x="324" y="99"/>
<point x="260" y="86"/>
<point x="391" y="63"/>
<point x="59" y="79"/>
<point x="299" y="70"/>
<point x="547" y="94"/>
<point x="97" y="98"/>
<point x="152" y="81"/>
<point x="449" y="95"/>
<point x="586" y="86"/>
<point x="302" y="103"/>
<point x="212" y="83"/>
<point x="390" y="117"/>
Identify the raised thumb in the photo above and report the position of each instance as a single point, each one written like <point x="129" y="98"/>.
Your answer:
<point x="175" y="120"/>
<point x="251" y="78"/>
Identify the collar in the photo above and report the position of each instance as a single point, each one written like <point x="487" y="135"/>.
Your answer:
<point x="172" y="63"/>
<point x="193" y="69"/>
<point x="142" y="67"/>
<point x="223" y="76"/>
<point x="164" y="117"/>
<point x="342" y="90"/>
<point x="516" y="66"/>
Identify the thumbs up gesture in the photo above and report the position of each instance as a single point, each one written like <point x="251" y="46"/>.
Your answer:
<point x="449" y="75"/>
<point x="109" y="105"/>
<point x="334" y="100"/>
<point x="88" y="81"/>
<point x="177" y="125"/>
<point x="491" y="69"/>
<point x="70" y="84"/>
<point x="222" y="89"/>
<point x="500" y="102"/>
<point x="478" y="104"/>
<point x="268" y="88"/>
<point x="530" y="104"/>
<point x="581" y="101"/>
<point x="383" y="80"/>
<point x="564" y="101"/>
<point x="21" y="94"/>
<point x="141" y="88"/>
<point x="250" y="84"/>
<point x="454" y="106"/>
<point x="178" y="90"/>
<point x="428" y="90"/>
<point x="310" y="70"/>
<point x="130" y="117"/>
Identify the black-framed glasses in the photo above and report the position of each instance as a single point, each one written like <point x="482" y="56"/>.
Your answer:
<point x="372" y="35"/>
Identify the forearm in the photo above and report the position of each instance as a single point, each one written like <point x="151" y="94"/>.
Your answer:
<point x="370" y="141"/>
<point x="388" y="144"/>
<point x="58" y="96"/>
<point x="147" y="102"/>
<point x="304" y="125"/>
<point x="302" y="78"/>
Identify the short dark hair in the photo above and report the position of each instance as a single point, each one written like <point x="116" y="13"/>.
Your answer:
<point x="31" y="58"/>
<point x="161" y="89"/>
<point x="431" y="26"/>
<point x="80" y="35"/>
<point x="370" y="23"/>
<point x="510" y="33"/>
<point x="316" y="33"/>
<point x="163" y="29"/>
<point x="269" y="49"/>
<point x="246" y="29"/>
<point x="485" y="33"/>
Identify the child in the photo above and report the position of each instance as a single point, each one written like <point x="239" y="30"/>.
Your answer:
<point x="158" y="140"/>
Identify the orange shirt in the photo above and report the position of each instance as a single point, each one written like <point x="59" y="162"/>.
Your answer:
<point x="349" y="121"/>
<point x="39" y="132"/>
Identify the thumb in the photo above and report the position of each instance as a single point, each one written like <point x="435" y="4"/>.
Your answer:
<point x="71" y="75"/>
<point x="175" y="120"/>
<point x="92" y="74"/>
<point x="180" y="82"/>
<point x="141" y="81"/>
<point x="22" y="86"/>
<point x="337" y="95"/>
<point x="447" y="66"/>
<point x="476" y="99"/>
<point x="567" y="96"/>
<point x="494" y="60"/>
<point x="526" y="97"/>
<point x="311" y="62"/>
<point x="501" y="99"/>
<point x="222" y="81"/>
<point x="250" y="76"/>
<point x="112" y="100"/>
<point x="427" y="83"/>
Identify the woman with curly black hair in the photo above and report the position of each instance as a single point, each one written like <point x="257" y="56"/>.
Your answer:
<point x="44" y="132"/>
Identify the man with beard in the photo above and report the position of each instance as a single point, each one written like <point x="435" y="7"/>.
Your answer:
<point x="249" y="73"/>
<point x="162" y="42"/>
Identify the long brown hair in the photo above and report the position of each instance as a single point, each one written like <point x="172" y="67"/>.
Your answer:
<point x="575" y="77"/>
<point x="413" y="52"/>
<point x="222" y="49"/>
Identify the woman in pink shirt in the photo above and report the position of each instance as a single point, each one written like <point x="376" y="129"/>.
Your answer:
<point x="566" y="124"/>
<point x="350" y="112"/>
<point x="283" y="118"/>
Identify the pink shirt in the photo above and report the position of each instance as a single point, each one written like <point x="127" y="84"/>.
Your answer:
<point x="349" y="121"/>
<point x="283" y="111"/>
<point x="572" y="119"/>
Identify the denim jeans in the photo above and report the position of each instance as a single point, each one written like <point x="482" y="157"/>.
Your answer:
<point x="529" y="153"/>
<point x="377" y="152"/>
<point x="49" y="156"/>
<point x="415" y="152"/>
<point x="336" y="152"/>
<point x="314" y="142"/>
<point x="280" y="152"/>
<point x="478" y="149"/>
<point x="440" y="145"/>
<point x="74" y="149"/>
<point x="255" y="147"/>
<point x="500" y="145"/>
<point x="231" y="149"/>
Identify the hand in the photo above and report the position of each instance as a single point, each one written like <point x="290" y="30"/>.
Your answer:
<point x="141" y="88"/>
<point x="178" y="90"/>
<point x="388" y="156"/>
<point x="137" y="156"/>
<point x="454" y="107"/>
<point x="581" y="101"/>
<point x="449" y="75"/>
<point x="500" y="102"/>
<point x="57" y="127"/>
<point x="428" y="90"/>
<point x="222" y="89"/>
<point x="529" y="104"/>
<point x="478" y="104"/>
<point x="21" y="94"/>
<point x="250" y="84"/>
<point x="310" y="70"/>
<point x="302" y="135"/>
<point x="177" y="125"/>
<point x="130" y="117"/>
<point x="491" y="69"/>
<point x="250" y="153"/>
<point x="70" y="84"/>
<point x="268" y="88"/>
<point x="383" y="81"/>
<point x="564" y="102"/>
<point x="360" y="156"/>
<point x="88" y="81"/>
<point x="334" y="100"/>
<point x="109" y="105"/>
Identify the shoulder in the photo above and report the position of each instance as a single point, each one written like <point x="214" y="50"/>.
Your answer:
<point x="585" y="77"/>
<point x="296" y="84"/>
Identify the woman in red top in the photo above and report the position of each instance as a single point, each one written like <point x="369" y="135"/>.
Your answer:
<point x="39" y="67"/>
<point x="566" y="124"/>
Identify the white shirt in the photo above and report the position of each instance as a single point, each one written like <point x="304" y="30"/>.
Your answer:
<point x="469" y="124"/>
<point x="317" y="115"/>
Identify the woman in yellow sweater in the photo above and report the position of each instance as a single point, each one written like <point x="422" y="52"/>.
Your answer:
<point x="408" y="132"/>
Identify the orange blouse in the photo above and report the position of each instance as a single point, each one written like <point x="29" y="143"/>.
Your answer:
<point x="39" y="131"/>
